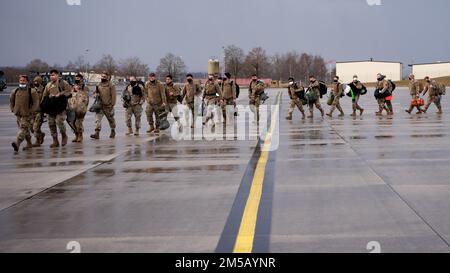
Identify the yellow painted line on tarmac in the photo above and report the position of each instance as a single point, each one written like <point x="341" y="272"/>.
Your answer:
<point x="246" y="234"/>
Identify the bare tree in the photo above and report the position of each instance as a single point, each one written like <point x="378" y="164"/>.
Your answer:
<point x="37" y="65"/>
<point x="79" y="65"/>
<point x="173" y="65"/>
<point x="278" y="61"/>
<point x="304" y="63"/>
<point x="319" y="67"/>
<point x="257" y="62"/>
<point x="106" y="63"/>
<point x="234" y="60"/>
<point x="133" y="66"/>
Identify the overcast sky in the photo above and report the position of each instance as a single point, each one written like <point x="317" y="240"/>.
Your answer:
<point x="398" y="30"/>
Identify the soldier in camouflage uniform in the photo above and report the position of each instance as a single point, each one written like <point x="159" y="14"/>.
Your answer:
<point x="337" y="90"/>
<point x="432" y="88"/>
<point x="106" y="91"/>
<point x="314" y="88"/>
<point x="38" y="116"/>
<point x="172" y="95"/>
<point x="190" y="90"/>
<point x="212" y="96"/>
<point x="415" y="89"/>
<point x="255" y="90"/>
<point x="293" y="90"/>
<point x="383" y="104"/>
<point x="78" y="103"/>
<point x="156" y="102"/>
<point x="23" y="102"/>
<point x="56" y="88"/>
<point x="133" y="98"/>
<point x="228" y="97"/>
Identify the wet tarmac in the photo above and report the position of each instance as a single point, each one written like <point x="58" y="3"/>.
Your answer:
<point x="332" y="185"/>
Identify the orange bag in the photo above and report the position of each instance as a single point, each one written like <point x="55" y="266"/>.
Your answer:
<point x="418" y="102"/>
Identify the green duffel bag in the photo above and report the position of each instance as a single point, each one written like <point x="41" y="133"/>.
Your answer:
<point x="312" y="97"/>
<point x="330" y="99"/>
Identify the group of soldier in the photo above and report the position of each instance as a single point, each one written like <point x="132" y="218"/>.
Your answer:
<point x="301" y="96"/>
<point x="33" y="102"/>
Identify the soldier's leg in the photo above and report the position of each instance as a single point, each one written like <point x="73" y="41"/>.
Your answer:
<point x="109" y="114"/>
<point x="53" y="131"/>
<point x="79" y="127"/>
<point x="299" y="104"/>
<point x="338" y="106"/>
<point x="437" y="102"/>
<point x="149" y="112"/>
<point x="98" y="124"/>
<point x="138" y="116"/>
<point x="61" y="123"/>
<point x="37" y="129"/>
<point x="390" y="109"/>
<point x="318" y="106"/>
<point x="158" y="111"/>
<point x="311" y="109"/>
<point x="21" y="133"/>
<point x="128" y="116"/>
<point x="291" y="109"/>
<point x="333" y="107"/>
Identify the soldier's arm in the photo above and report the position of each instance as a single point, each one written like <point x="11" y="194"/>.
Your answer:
<point x="113" y="95"/>
<point x="67" y="89"/>
<point x="12" y="100"/>
<point x="35" y="100"/>
<point x="233" y="90"/>
<point x="46" y="92"/>
<point x="163" y="94"/>
<point x="425" y="90"/>
<point x="218" y="91"/>
<point x="385" y="87"/>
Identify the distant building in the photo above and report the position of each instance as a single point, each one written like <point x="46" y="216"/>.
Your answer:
<point x="434" y="70"/>
<point x="367" y="70"/>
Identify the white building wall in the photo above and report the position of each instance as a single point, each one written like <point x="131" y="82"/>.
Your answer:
<point x="433" y="70"/>
<point x="367" y="71"/>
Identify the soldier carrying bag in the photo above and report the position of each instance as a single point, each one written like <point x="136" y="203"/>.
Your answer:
<point x="96" y="107"/>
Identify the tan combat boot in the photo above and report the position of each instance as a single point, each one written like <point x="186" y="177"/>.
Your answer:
<point x="136" y="133"/>
<point x="130" y="131"/>
<point x="16" y="145"/>
<point x="96" y="135"/>
<point x="55" y="143"/>
<point x="29" y="144"/>
<point x="76" y="138"/>
<point x="64" y="139"/>
<point x="113" y="133"/>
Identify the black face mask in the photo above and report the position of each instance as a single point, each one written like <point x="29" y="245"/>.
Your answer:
<point x="210" y="79"/>
<point x="335" y="80"/>
<point x="104" y="80"/>
<point x="153" y="81"/>
<point x="77" y="81"/>
<point x="189" y="80"/>
<point x="379" y="79"/>
<point x="312" y="81"/>
<point x="133" y="83"/>
<point x="254" y="80"/>
<point x="37" y="85"/>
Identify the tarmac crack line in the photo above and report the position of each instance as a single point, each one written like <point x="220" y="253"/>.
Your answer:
<point x="391" y="188"/>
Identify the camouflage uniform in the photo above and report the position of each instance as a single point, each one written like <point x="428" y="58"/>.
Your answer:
<point x="337" y="90"/>
<point x="383" y="104"/>
<point x="315" y="87"/>
<point x="108" y="95"/>
<point x="228" y="97"/>
<point x="212" y="94"/>
<point x="433" y="96"/>
<point x="23" y="107"/>
<point x="58" y="121"/>
<point x="295" y="100"/>
<point x="134" y="105"/>
<point x="189" y="92"/>
<point x="415" y="89"/>
<point x="38" y="117"/>
<point x="156" y="97"/>
<point x="356" y="96"/>
<point x="255" y="90"/>
<point x="78" y="103"/>
<point x="172" y="93"/>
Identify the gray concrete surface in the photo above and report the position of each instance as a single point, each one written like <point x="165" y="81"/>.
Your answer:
<point x="333" y="185"/>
